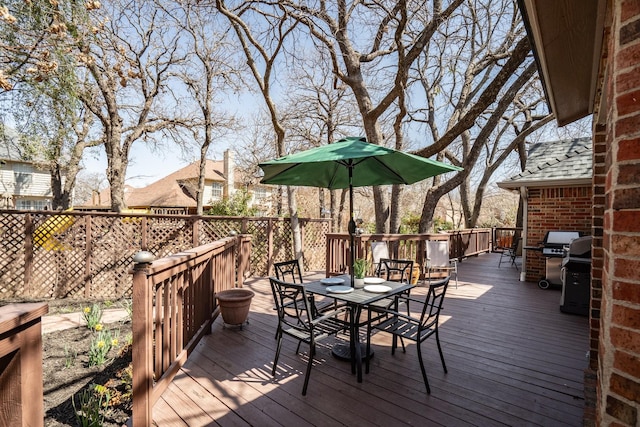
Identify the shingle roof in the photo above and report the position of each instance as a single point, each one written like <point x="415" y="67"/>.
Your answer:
<point x="175" y="189"/>
<point x="554" y="163"/>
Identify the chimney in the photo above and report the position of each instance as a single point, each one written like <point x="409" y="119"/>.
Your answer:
<point x="229" y="177"/>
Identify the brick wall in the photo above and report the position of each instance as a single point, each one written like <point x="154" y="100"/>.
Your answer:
<point x="563" y="208"/>
<point x="619" y="333"/>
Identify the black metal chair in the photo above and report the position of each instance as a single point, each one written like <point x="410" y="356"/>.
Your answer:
<point x="396" y="270"/>
<point x="512" y="252"/>
<point x="297" y="319"/>
<point x="290" y="271"/>
<point x="416" y="329"/>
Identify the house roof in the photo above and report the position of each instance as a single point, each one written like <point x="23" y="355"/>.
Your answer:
<point x="566" y="39"/>
<point x="176" y="189"/>
<point x="555" y="163"/>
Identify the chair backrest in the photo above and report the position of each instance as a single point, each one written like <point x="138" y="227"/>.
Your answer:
<point x="379" y="250"/>
<point x="433" y="303"/>
<point x="288" y="271"/>
<point x="292" y="304"/>
<point x="437" y="253"/>
<point x="398" y="270"/>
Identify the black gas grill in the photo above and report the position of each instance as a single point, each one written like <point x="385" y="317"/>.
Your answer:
<point x="576" y="277"/>
<point x="553" y="247"/>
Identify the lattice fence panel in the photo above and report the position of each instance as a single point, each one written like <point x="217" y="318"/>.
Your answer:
<point x="282" y="241"/>
<point x="166" y="236"/>
<point x="12" y="255"/>
<point x="115" y="240"/>
<point x="59" y="247"/>
<point x="60" y="265"/>
<point x="212" y="229"/>
<point x="314" y="245"/>
<point x="259" y="246"/>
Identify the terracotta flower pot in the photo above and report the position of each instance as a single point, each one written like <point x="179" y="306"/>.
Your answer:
<point x="234" y="305"/>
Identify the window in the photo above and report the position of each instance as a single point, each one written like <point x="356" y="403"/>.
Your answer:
<point x="35" y="205"/>
<point x="216" y="191"/>
<point x="259" y="194"/>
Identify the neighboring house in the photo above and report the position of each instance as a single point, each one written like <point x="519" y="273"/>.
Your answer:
<point x="176" y="193"/>
<point x="23" y="185"/>
<point x="557" y="195"/>
<point x="588" y="55"/>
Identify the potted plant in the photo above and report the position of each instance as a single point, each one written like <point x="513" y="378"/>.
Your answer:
<point x="360" y="268"/>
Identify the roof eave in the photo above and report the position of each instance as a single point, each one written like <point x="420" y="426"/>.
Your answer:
<point x="567" y="40"/>
<point x="514" y="185"/>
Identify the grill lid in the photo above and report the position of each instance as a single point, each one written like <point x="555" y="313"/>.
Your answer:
<point x="559" y="239"/>
<point x="555" y="241"/>
<point x="580" y="247"/>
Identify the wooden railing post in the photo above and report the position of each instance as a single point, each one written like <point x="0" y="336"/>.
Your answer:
<point x="28" y="253"/>
<point x="142" y="356"/>
<point x="195" y="231"/>
<point x="244" y="257"/>
<point x="21" y="387"/>
<point x="87" y="257"/>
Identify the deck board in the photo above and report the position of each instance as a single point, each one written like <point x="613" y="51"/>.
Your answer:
<point x="513" y="359"/>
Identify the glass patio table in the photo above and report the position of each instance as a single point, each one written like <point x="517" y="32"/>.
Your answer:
<point x="357" y="299"/>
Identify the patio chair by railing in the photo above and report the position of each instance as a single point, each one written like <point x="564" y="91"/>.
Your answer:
<point x="438" y="260"/>
<point x="462" y="243"/>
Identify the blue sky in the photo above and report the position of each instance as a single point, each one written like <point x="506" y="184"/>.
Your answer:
<point x="145" y="165"/>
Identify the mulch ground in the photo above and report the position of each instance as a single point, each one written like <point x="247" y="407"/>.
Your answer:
<point x="66" y="374"/>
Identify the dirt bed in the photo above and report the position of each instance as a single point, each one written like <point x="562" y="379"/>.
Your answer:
<point x="66" y="374"/>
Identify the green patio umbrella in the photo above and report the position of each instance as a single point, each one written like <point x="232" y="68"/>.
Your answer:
<point x="347" y="163"/>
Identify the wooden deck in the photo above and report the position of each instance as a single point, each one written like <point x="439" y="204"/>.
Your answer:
<point x="513" y="359"/>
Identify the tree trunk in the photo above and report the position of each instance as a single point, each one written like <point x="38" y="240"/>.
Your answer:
<point x="464" y="201"/>
<point x="117" y="161"/>
<point x="295" y="223"/>
<point x="395" y="218"/>
<point x="341" y="209"/>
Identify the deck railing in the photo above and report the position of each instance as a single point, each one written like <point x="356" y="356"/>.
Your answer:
<point x="173" y="307"/>
<point x="463" y="243"/>
<point x="87" y="255"/>
<point x="503" y="237"/>
<point x="21" y="364"/>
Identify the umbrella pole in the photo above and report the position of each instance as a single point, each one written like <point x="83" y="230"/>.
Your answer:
<point x="352" y="225"/>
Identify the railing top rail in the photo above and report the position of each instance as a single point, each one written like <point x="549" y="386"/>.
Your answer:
<point x="153" y="215"/>
<point x="420" y="236"/>
<point x="17" y="314"/>
<point x="171" y="261"/>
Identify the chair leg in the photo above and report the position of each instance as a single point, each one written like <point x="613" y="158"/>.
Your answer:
<point x="277" y="332"/>
<point x="312" y="351"/>
<point x="275" y="360"/>
<point x="444" y="366"/>
<point x="368" y="351"/>
<point x="424" y="372"/>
